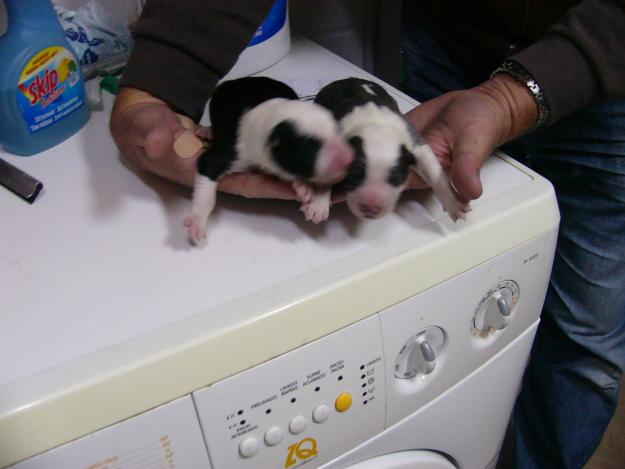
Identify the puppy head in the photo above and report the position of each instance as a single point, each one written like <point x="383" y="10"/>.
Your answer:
<point x="306" y="142"/>
<point x="378" y="175"/>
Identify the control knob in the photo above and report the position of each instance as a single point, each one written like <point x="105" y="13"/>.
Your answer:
<point x="494" y="311"/>
<point x="419" y="353"/>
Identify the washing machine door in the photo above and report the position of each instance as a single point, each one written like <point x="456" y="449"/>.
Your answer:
<point x="406" y="460"/>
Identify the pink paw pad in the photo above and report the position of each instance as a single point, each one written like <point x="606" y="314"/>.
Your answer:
<point x="303" y="191"/>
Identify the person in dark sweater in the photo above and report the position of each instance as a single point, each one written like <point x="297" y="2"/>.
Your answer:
<point x="548" y="75"/>
<point x="569" y="57"/>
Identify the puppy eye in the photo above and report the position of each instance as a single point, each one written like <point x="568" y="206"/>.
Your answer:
<point x="397" y="176"/>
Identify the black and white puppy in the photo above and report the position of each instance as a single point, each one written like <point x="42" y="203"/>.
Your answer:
<point x="387" y="148"/>
<point x="259" y="124"/>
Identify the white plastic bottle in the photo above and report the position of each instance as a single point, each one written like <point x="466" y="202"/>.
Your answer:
<point x="270" y="44"/>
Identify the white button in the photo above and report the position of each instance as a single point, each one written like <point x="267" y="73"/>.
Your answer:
<point x="298" y="424"/>
<point x="321" y="413"/>
<point x="273" y="436"/>
<point x="249" y="447"/>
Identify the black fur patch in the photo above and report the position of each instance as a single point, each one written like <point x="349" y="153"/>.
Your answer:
<point x="342" y="96"/>
<point x="357" y="170"/>
<point x="398" y="174"/>
<point x="230" y="101"/>
<point x="216" y="160"/>
<point x="232" y="98"/>
<point x="292" y="151"/>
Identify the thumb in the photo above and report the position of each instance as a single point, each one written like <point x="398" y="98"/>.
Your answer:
<point x="153" y="127"/>
<point x="159" y="141"/>
<point x="467" y="161"/>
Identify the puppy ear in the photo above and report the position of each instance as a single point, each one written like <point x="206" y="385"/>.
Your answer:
<point x="426" y="164"/>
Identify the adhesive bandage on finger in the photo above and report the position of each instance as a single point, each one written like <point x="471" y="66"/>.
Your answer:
<point x="187" y="145"/>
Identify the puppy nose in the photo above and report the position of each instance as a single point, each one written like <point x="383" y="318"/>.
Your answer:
<point x="369" y="210"/>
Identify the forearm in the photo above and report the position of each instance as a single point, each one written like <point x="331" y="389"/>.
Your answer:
<point x="183" y="48"/>
<point x="581" y="59"/>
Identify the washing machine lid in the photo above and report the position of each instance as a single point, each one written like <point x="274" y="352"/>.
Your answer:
<point x="406" y="460"/>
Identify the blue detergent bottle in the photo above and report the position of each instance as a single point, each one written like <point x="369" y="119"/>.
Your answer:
<point x="42" y="93"/>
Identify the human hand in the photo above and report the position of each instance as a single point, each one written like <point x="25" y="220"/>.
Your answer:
<point x="146" y="130"/>
<point x="464" y="127"/>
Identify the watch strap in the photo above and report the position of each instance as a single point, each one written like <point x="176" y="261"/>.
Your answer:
<point x="521" y="75"/>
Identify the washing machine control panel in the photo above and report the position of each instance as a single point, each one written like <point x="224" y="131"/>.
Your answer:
<point x="433" y="339"/>
<point x="303" y="408"/>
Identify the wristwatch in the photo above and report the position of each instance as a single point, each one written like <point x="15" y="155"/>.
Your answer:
<point x="518" y="72"/>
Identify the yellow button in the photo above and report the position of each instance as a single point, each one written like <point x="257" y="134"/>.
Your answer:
<point x="343" y="402"/>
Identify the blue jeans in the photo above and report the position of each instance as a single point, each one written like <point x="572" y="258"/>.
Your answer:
<point x="571" y="385"/>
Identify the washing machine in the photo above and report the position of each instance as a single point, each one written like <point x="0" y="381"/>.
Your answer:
<point x="394" y="343"/>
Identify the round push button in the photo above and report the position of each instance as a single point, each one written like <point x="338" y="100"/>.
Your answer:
<point x="343" y="402"/>
<point x="298" y="424"/>
<point x="273" y="436"/>
<point x="321" y="413"/>
<point x="249" y="447"/>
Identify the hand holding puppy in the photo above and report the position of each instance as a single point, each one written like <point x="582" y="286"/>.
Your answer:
<point x="146" y="130"/>
<point x="464" y="127"/>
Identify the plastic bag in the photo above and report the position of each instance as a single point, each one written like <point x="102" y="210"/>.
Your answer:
<point x="95" y="35"/>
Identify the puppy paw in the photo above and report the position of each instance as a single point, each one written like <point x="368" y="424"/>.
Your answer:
<point x="315" y="212"/>
<point x="196" y="228"/>
<point x="455" y="208"/>
<point x="303" y="191"/>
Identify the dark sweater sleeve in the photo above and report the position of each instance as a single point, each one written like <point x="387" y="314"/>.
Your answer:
<point x="581" y="59"/>
<point x="182" y="48"/>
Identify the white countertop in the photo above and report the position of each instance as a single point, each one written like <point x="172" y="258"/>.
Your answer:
<point x="101" y="257"/>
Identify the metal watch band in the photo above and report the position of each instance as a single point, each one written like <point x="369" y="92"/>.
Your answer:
<point x="518" y="72"/>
